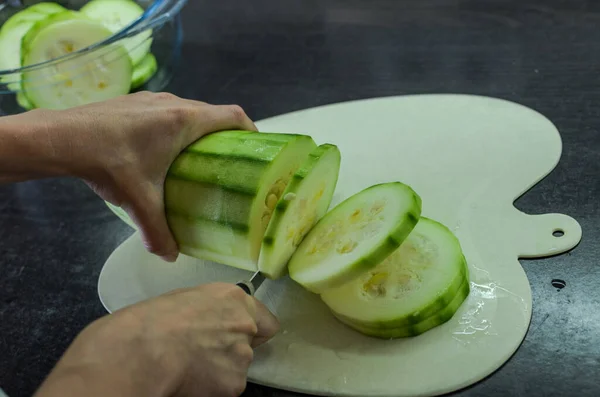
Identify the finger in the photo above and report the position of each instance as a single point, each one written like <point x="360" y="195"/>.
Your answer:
<point x="267" y="324"/>
<point x="146" y="209"/>
<point x="212" y="118"/>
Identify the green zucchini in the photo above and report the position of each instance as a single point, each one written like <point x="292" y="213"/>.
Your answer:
<point x="23" y="101"/>
<point x="220" y="192"/>
<point x="355" y="236"/>
<point x="143" y="71"/>
<point x="304" y="202"/>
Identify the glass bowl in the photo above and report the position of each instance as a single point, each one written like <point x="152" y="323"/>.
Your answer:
<point x="137" y="53"/>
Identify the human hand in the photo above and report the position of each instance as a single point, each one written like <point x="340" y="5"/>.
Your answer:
<point x="123" y="148"/>
<point x="195" y="342"/>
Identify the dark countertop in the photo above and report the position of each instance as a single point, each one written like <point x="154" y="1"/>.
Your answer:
<point x="275" y="57"/>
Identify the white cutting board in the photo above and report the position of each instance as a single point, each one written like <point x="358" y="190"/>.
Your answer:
<point x="469" y="158"/>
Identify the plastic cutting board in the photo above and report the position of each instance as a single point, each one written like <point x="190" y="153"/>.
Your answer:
<point x="469" y="158"/>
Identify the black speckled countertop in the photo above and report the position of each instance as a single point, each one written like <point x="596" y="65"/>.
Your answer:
<point x="274" y="57"/>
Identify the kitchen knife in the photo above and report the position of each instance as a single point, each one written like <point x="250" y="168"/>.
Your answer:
<point x="250" y="286"/>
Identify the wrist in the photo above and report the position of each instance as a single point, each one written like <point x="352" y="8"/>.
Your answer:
<point x="33" y="147"/>
<point x="107" y="359"/>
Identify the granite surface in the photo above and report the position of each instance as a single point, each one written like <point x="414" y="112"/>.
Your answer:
<point x="273" y="57"/>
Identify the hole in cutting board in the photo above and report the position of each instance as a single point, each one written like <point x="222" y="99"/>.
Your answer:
<point x="558" y="233"/>
<point x="558" y="283"/>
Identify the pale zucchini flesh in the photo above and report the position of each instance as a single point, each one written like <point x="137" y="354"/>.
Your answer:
<point x="117" y="15"/>
<point x="303" y="203"/>
<point x="411" y="330"/>
<point x="83" y="79"/>
<point x="11" y="34"/>
<point x="355" y="236"/>
<point x="417" y="280"/>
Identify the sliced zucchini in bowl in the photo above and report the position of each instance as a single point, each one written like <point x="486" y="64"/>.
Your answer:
<point x="12" y="33"/>
<point x="144" y="71"/>
<point x="85" y="78"/>
<point x="117" y="15"/>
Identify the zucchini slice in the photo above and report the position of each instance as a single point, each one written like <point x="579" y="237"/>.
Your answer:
<point x="355" y="236"/>
<point x="11" y="34"/>
<point x="22" y="101"/>
<point x="411" y="287"/>
<point x="410" y="330"/>
<point x="143" y="71"/>
<point x="220" y="192"/>
<point x="117" y="15"/>
<point x="303" y="203"/>
<point x="86" y="78"/>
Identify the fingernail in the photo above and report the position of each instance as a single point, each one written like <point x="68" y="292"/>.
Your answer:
<point x="169" y="257"/>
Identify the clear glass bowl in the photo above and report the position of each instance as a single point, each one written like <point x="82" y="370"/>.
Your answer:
<point x="160" y="22"/>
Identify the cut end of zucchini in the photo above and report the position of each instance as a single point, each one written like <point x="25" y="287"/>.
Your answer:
<point x="410" y="287"/>
<point x="303" y="203"/>
<point x="355" y="236"/>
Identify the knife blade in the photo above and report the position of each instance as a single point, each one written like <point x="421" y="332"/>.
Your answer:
<point x="250" y="286"/>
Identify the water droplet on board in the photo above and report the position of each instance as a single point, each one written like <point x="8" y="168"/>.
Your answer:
<point x="292" y="346"/>
<point x="335" y="381"/>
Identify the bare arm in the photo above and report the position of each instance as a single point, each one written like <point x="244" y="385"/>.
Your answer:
<point x="30" y="148"/>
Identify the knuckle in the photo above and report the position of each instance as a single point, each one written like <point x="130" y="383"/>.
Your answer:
<point x="244" y="353"/>
<point x="246" y="326"/>
<point x="180" y="116"/>
<point x="237" y="113"/>
<point x="237" y="387"/>
<point x="164" y="96"/>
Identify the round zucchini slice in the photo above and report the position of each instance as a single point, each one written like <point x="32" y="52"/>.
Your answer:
<point x="355" y="236"/>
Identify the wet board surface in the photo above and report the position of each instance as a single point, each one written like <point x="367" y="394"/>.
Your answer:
<point x="468" y="158"/>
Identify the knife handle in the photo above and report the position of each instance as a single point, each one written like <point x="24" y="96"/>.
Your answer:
<point x="247" y="287"/>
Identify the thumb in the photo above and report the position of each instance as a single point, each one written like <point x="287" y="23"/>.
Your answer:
<point x="267" y="324"/>
<point x="146" y="209"/>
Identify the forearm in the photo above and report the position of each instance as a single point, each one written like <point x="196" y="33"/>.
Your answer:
<point x="31" y="148"/>
<point x="102" y="361"/>
<point x="79" y="381"/>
